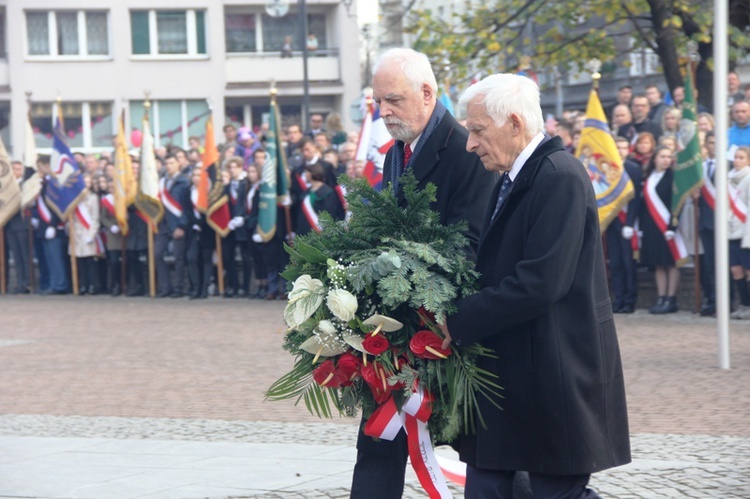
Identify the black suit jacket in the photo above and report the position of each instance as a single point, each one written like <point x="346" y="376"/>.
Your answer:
<point x="544" y="309"/>
<point x="463" y="185"/>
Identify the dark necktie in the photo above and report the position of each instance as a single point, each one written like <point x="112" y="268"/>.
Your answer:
<point x="504" y="190"/>
<point x="711" y="169"/>
<point x="407" y="155"/>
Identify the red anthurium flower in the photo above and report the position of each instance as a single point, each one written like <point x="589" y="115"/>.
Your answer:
<point x="349" y="366"/>
<point x="375" y="345"/>
<point x="428" y="345"/>
<point x="425" y="314"/>
<point x="328" y="376"/>
<point x="376" y="378"/>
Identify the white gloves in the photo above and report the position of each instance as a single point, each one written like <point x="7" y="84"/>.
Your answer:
<point x="669" y="235"/>
<point x="50" y="233"/>
<point x="257" y="238"/>
<point x="238" y="221"/>
<point x="115" y="229"/>
<point x="628" y="232"/>
<point x="89" y="240"/>
<point x="34" y="223"/>
<point x="197" y="228"/>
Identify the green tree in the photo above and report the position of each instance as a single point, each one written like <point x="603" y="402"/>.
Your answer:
<point x="566" y="34"/>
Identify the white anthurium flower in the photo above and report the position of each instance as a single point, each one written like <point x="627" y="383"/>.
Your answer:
<point x="325" y="342"/>
<point x="342" y="304"/>
<point x="383" y="323"/>
<point x="304" y="299"/>
<point x="354" y="341"/>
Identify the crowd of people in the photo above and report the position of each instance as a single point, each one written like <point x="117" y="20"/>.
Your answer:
<point x="648" y="132"/>
<point x="185" y="243"/>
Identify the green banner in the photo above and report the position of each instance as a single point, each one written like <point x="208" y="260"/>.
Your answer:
<point x="274" y="191"/>
<point x="688" y="171"/>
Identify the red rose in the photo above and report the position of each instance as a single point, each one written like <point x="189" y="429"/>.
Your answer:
<point x="326" y="375"/>
<point x="376" y="378"/>
<point x="348" y="365"/>
<point x="375" y="345"/>
<point x="428" y="345"/>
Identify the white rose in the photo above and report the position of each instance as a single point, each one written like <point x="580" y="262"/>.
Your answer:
<point x="342" y="303"/>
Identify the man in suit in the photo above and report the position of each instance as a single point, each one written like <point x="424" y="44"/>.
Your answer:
<point x="236" y="192"/>
<point x="543" y="308"/>
<point x="17" y="235"/>
<point x="706" y="226"/>
<point x="620" y="235"/>
<point x="174" y="190"/>
<point x="431" y="144"/>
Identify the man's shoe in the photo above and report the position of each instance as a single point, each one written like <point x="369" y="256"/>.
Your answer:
<point x="708" y="310"/>
<point x="176" y="294"/>
<point x="163" y="294"/>
<point x="270" y="296"/>
<point x="228" y="293"/>
<point x="627" y="309"/>
<point x="115" y="290"/>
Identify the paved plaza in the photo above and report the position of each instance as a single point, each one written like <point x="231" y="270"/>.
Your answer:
<point x="140" y="398"/>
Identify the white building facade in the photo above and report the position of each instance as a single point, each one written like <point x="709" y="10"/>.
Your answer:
<point x="100" y="57"/>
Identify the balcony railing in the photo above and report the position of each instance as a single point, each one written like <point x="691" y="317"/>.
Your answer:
<point x="262" y="67"/>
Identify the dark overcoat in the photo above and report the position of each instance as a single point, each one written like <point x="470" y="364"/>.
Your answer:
<point x="463" y="184"/>
<point x="544" y="309"/>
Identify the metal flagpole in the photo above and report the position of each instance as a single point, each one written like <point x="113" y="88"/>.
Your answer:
<point x="720" y="41"/>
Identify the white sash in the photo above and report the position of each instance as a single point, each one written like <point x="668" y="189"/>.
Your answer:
<point x="167" y="200"/>
<point x="661" y="215"/>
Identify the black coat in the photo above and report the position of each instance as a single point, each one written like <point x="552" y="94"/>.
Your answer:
<point x="326" y="199"/>
<point x="238" y="207"/>
<point x="180" y="191"/>
<point x="654" y="248"/>
<point x="463" y="185"/>
<point x="544" y="309"/>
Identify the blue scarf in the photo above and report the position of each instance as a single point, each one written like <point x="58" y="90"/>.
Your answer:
<point x="397" y="158"/>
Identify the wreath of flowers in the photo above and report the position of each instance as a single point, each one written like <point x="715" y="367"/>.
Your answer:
<point x="366" y="296"/>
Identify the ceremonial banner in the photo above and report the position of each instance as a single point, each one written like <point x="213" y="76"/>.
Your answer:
<point x="147" y="197"/>
<point x="374" y="142"/>
<point x="32" y="182"/>
<point x="274" y="190"/>
<point x="10" y="193"/>
<point x="124" y="181"/>
<point x="598" y="153"/>
<point x="688" y="171"/>
<point x="66" y="187"/>
<point x="211" y="198"/>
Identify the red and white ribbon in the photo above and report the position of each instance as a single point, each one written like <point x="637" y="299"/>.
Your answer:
<point x="310" y="214"/>
<point x="167" y="200"/>
<point x="84" y="216"/>
<point x="708" y="190"/>
<point x="387" y="421"/>
<point x="43" y="209"/>
<point x="108" y="202"/>
<point x="661" y="215"/>
<point x="341" y="191"/>
<point x="736" y="204"/>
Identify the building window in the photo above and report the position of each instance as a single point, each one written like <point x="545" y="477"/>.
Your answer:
<point x="88" y="125"/>
<point x="248" y="30"/>
<point x="643" y="61"/>
<point x="5" y="123"/>
<point x="3" y="55"/>
<point x="67" y="33"/>
<point x="172" y="121"/>
<point x="240" y="32"/>
<point x="168" y="32"/>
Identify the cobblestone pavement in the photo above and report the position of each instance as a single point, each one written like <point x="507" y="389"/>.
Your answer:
<point x="96" y="367"/>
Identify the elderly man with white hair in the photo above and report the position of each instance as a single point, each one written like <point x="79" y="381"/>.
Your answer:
<point x="431" y="144"/>
<point x="543" y="308"/>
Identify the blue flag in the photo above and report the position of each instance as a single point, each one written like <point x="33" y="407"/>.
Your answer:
<point x="66" y="186"/>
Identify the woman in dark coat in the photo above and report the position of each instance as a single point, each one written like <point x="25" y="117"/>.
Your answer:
<point x="319" y="198"/>
<point x="655" y="250"/>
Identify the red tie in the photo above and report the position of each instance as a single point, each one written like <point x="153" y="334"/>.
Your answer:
<point x="407" y="154"/>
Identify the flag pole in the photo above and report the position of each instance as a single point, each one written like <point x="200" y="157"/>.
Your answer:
<point x="219" y="264"/>
<point x="151" y="262"/>
<point x="31" y="229"/>
<point x="71" y="230"/>
<point x="2" y="261"/>
<point x="693" y="58"/>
